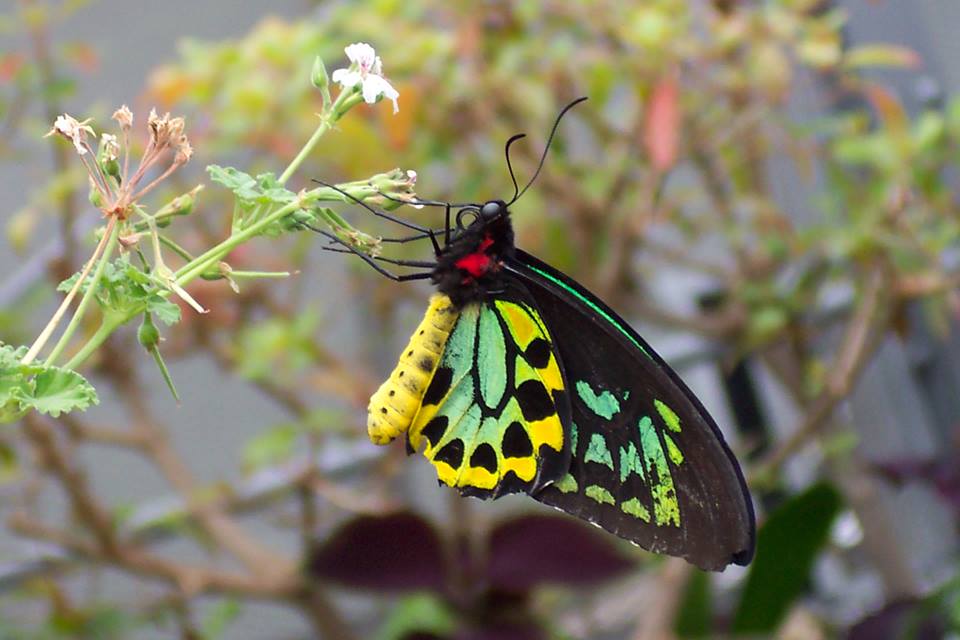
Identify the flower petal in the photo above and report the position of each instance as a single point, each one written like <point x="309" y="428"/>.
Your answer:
<point x="361" y="53"/>
<point x="347" y="79"/>
<point x="371" y="89"/>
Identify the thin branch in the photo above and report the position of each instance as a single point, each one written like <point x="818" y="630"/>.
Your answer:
<point x="861" y="338"/>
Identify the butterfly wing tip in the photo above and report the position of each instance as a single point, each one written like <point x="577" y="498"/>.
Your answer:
<point x="743" y="557"/>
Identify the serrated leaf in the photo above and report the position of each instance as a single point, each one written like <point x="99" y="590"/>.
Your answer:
<point x="231" y="178"/>
<point x="11" y="356"/>
<point x="57" y="391"/>
<point x="165" y="311"/>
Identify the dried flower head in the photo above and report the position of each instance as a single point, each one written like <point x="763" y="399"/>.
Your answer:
<point x="73" y="130"/>
<point x="124" y="117"/>
<point x="109" y="148"/>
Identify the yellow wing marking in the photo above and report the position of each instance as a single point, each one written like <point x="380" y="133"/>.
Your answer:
<point x="395" y="404"/>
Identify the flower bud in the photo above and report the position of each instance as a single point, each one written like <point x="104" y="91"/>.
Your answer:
<point x="147" y="335"/>
<point x="318" y="76"/>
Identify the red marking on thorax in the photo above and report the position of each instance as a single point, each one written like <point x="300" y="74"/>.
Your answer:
<point x="478" y="262"/>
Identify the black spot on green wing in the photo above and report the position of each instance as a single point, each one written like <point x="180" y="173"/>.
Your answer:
<point x="451" y="453"/>
<point x="538" y="353"/>
<point x="435" y="429"/>
<point x="535" y="402"/>
<point x="439" y="386"/>
<point x="516" y="442"/>
<point x="484" y="456"/>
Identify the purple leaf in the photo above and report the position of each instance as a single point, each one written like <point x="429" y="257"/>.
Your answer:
<point x="941" y="473"/>
<point x="397" y="552"/>
<point x="531" y="550"/>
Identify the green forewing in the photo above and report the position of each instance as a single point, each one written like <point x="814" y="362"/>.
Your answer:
<point x="494" y="418"/>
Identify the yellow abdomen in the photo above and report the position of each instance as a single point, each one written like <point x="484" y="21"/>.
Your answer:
<point x="395" y="404"/>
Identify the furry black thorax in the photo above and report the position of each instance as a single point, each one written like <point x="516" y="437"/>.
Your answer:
<point x="470" y="266"/>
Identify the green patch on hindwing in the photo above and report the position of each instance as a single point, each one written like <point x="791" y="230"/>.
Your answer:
<point x="644" y="460"/>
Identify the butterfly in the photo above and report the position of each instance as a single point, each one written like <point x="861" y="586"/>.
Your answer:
<point x="519" y="380"/>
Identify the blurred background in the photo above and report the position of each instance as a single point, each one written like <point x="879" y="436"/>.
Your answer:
<point x="766" y="189"/>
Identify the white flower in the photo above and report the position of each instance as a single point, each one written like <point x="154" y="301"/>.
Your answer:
<point x="73" y="130"/>
<point x="366" y="69"/>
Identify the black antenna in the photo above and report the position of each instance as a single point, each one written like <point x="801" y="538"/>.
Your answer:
<point x="506" y="151"/>
<point x="543" y="157"/>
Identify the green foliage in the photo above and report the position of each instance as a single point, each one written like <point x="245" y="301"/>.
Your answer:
<point x="271" y="446"/>
<point x="278" y="349"/>
<point x="125" y="288"/>
<point x="694" y="617"/>
<point x="219" y="618"/>
<point x="422" y="613"/>
<point x="47" y="389"/>
<point x="787" y="546"/>
<point x="254" y="196"/>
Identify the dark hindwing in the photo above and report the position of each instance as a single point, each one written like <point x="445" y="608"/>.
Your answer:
<point x="495" y="417"/>
<point x="648" y="464"/>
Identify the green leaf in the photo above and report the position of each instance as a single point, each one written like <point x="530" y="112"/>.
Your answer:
<point x="276" y="444"/>
<point x="15" y="382"/>
<point x="59" y="391"/>
<point x="693" y="618"/>
<point x="218" y="618"/>
<point x="787" y="545"/>
<point x="418" y="613"/>
<point x="881" y="55"/>
<point x="165" y="311"/>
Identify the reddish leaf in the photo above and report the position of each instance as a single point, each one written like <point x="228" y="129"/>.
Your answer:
<point x="661" y="127"/>
<point x="10" y="65"/>
<point x="888" y="107"/>
<point x="397" y="552"/>
<point x="531" y="550"/>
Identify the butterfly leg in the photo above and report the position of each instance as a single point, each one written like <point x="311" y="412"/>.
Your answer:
<point x="370" y="260"/>
<point x="386" y="216"/>
<point x="405" y="239"/>
<point x="403" y="263"/>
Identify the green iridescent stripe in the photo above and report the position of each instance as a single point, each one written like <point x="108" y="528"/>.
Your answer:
<point x="603" y="404"/>
<point x="630" y="462"/>
<point x="668" y="415"/>
<point x="599" y="494"/>
<point x="635" y="508"/>
<point x="567" y="484"/>
<point x="590" y="303"/>
<point x="491" y="360"/>
<point x="598" y="452"/>
<point x="666" y="509"/>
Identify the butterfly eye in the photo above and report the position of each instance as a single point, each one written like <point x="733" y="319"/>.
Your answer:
<point x="491" y="210"/>
<point x="466" y="217"/>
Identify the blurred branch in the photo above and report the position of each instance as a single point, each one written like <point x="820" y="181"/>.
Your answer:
<point x="863" y="334"/>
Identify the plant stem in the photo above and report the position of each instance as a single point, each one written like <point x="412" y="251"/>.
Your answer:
<point x="200" y="264"/>
<point x="325" y="123"/>
<point x="111" y="235"/>
<point x="41" y="340"/>
<point x="107" y="326"/>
